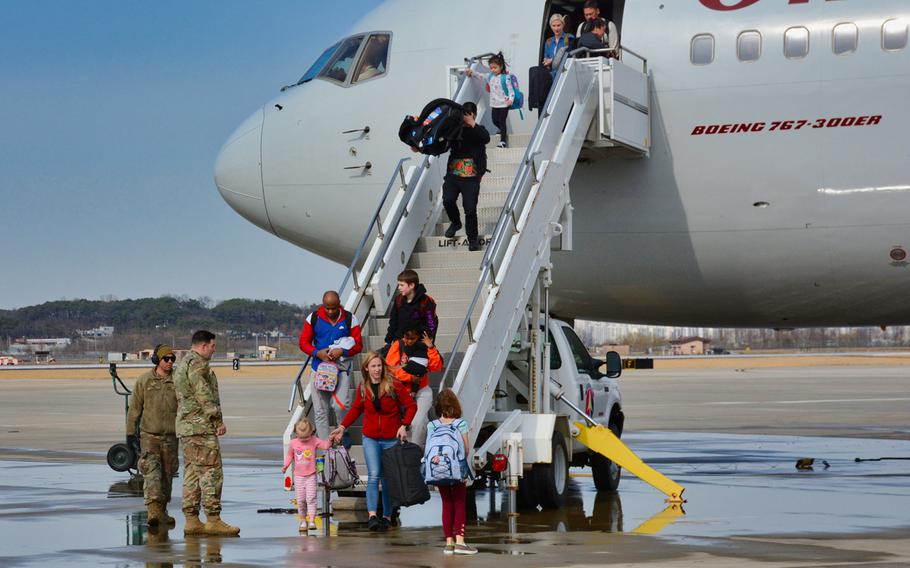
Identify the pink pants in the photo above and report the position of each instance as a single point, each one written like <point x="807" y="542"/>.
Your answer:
<point x="305" y="487"/>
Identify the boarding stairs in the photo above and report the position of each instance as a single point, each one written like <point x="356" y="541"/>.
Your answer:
<point x="524" y="213"/>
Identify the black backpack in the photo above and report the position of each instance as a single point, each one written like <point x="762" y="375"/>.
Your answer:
<point x="402" y="476"/>
<point x="438" y="126"/>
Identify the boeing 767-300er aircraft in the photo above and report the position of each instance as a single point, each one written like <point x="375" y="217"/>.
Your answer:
<point x="777" y="188"/>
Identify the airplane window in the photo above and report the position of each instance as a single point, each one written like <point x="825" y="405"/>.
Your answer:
<point x="702" y="51"/>
<point x="748" y="47"/>
<point x="894" y="35"/>
<point x="845" y="38"/>
<point x="316" y="67"/>
<point x="340" y="63"/>
<point x="374" y="59"/>
<point x="796" y="43"/>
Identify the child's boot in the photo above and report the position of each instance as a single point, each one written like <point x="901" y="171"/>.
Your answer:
<point x="216" y="527"/>
<point x="193" y="525"/>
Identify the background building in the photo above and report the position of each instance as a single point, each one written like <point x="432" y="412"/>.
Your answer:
<point x="689" y="346"/>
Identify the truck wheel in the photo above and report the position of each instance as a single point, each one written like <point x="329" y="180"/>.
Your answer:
<point x="551" y="480"/>
<point x="606" y="473"/>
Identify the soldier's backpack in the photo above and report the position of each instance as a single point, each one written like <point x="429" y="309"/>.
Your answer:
<point x="438" y="126"/>
<point x="339" y="471"/>
<point x="401" y="475"/>
<point x="444" y="460"/>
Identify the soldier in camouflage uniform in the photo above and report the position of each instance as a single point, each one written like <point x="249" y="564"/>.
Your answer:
<point x="199" y="423"/>
<point x="153" y="409"/>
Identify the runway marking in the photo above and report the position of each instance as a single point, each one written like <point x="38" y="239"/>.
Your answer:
<point x="819" y="401"/>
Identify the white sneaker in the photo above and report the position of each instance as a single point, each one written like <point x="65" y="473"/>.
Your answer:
<point x="312" y="526"/>
<point x="302" y="527"/>
<point x="502" y="145"/>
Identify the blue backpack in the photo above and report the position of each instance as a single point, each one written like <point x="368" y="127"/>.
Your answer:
<point x="518" y="98"/>
<point x="444" y="460"/>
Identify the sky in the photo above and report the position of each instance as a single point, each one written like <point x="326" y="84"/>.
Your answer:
<point x="112" y="114"/>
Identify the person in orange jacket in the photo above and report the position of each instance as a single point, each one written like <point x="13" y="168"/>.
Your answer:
<point x="410" y="359"/>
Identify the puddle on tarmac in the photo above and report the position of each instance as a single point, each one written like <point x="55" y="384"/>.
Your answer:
<point x="735" y="485"/>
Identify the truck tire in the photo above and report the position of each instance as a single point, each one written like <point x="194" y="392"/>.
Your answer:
<point x="551" y="480"/>
<point x="606" y="474"/>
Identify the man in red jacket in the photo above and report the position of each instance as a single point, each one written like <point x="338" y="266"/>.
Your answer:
<point x="330" y="336"/>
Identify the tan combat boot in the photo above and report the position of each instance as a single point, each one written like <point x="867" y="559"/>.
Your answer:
<point x="216" y="527"/>
<point x="193" y="526"/>
<point x="156" y="514"/>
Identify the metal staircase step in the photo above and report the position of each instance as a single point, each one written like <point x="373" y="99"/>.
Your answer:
<point x="491" y="183"/>
<point x="447" y="259"/>
<point x="486" y="222"/>
<point x="442" y="275"/>
<point x="515" y="140"/>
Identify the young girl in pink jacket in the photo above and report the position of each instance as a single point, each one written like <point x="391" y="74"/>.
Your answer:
<point x="302" y="452"/>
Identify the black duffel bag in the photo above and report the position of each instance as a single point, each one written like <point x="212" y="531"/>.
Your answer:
<point x="402" y="476"/>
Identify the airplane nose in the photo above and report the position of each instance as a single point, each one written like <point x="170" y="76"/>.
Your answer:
<point x="238" y="171"/>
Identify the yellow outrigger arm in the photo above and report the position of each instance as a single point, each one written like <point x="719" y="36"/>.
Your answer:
<point x="601" y="440"/>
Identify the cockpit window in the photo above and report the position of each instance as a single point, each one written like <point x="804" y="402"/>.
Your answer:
<point x="374" y="60"/>
<point x="342" y="60"/>
<point x="316" y="67"/>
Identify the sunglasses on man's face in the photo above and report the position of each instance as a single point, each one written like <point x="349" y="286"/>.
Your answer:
<point x="169" y="359"/>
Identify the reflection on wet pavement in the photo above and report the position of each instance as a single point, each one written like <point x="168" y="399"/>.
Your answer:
<point x="736" y="485"/>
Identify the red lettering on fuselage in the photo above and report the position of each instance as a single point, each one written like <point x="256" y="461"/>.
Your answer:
<point x="726" y="6"/>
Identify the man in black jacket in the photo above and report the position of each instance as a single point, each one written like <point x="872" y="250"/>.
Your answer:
<point x="467" y="164"/>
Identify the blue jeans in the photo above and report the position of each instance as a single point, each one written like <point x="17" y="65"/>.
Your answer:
<point x="372" y="453"/>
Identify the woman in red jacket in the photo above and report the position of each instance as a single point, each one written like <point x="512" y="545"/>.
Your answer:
<point x="379" y="399"/>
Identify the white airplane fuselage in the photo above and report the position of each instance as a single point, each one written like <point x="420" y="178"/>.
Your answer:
<point x="777" y="192"/>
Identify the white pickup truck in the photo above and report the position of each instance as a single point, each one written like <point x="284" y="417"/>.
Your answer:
<point x="547" y="443"/>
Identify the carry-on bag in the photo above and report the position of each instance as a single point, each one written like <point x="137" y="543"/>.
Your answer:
<point x="402" y="476"/>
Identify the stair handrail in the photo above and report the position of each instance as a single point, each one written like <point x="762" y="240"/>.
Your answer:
<point x="375" y="222"/>
<point x="497" y="238"/>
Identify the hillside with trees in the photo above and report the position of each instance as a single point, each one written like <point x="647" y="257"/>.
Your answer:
<point x="175" y="315"/>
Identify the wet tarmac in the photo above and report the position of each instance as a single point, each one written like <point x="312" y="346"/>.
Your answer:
<point x="747" y="503"/>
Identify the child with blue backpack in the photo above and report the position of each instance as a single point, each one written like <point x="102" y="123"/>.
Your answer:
<point x="446" y="466"/>
<point x="504" y="95"/>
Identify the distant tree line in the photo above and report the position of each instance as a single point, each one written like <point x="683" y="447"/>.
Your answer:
<point x="175" y="315"/>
